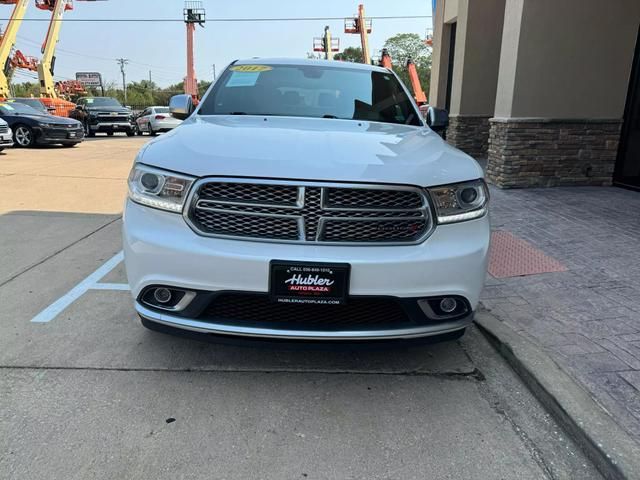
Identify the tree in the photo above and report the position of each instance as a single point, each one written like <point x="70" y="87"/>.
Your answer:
<point x="406" y="46"/>
<point x="25" y="89"/>
<point x="350" y="54"/>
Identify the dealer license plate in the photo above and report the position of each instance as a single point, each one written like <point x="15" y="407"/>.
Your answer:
<point x="315" y="283"/>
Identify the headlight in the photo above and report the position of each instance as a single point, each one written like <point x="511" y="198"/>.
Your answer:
<point x="461" y="201"/>
<point x="45" y="125"/>
<point x="158" y="189"/>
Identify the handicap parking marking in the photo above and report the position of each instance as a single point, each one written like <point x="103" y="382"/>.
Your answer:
<point x="89" y="283"/>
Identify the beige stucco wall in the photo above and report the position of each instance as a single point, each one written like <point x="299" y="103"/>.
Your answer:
<point x="477" y="55"/>
<point x="477" y="62"/>
<point x="450" y="10"/>
<point x="439" y="56"/>
<point x="566" y="59"/>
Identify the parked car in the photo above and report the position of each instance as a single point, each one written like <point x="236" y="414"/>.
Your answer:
<point x="154" y="120"/>
<point x="103" y="114"/>
<point x="306" y="200"/>
<point x="34" y="103"/>
<point x="32" y="127"/>
<point x="6" y="135"/>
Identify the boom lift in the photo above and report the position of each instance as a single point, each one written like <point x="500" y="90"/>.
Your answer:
<point x="24" y="62"/>
<point x="326" y="44"/>
<point x="194" y="13"/>
<point x="416" y="86"/>
<point x="8" y="41"/>
<point x="361" y="25"/>
<point x="48" y="92"/>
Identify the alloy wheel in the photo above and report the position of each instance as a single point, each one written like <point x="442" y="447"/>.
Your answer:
<point x="24" y="136"/>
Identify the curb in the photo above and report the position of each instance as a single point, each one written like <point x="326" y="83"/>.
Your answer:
<point x="612" y="450"/>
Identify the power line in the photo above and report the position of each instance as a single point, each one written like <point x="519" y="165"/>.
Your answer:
<point x="105" y="59"/>
<point x="219" y="20"/>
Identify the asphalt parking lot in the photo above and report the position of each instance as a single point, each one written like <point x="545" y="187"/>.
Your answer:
<point x="86" y="392"/>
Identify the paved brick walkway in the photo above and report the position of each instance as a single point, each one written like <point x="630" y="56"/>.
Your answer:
<point x="588" y="317"/>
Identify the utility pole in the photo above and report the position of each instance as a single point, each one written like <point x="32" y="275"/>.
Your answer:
<point x="122" y="62"/>
<point x="214" y="72"/>
<point x="149" y="76"/>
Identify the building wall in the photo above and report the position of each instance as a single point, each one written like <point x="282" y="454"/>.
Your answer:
<point x="475" y="71"/>
<point x="564" y="73"/>
<point x="439" y="57"/>
<point x="566" y="59"/>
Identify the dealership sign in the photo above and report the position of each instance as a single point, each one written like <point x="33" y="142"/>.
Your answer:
<point x="89" y="79"/>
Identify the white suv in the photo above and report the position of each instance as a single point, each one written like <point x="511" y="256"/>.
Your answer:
<point x="305" y="200"/>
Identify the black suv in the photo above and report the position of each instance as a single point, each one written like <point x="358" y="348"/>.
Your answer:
<point x="103" y="114"/>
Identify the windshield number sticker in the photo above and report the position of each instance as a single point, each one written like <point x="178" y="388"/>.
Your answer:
<point x="242" y="79"/>
<point x="250" y="68"/>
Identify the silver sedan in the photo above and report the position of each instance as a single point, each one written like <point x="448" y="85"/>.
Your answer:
<point x="154" y="120"/>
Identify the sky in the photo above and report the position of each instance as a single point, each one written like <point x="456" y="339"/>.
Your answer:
<point x="160" y="47"/>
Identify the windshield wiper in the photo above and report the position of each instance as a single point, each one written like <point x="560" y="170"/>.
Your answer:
<point x="329" y="116"/>
<point x="237" y="113"/>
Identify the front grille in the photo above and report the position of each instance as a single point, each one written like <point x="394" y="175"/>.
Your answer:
<point x="303" y="212"/>
<point x="112" y="118"/>
<point x="258" y="310"/>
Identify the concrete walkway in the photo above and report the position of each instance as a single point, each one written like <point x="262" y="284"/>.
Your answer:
<point x="587" y="318"/>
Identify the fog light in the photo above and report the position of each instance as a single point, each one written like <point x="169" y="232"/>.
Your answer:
<point x="162" y="295"/>
<point x="448" y="305"/>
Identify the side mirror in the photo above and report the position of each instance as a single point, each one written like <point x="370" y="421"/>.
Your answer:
<point x="437" y="118"/>
<point x="181" y="106"/>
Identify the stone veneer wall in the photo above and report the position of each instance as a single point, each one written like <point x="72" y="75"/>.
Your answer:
<point x="470" y="134"/>
<point x="547" y="152"/>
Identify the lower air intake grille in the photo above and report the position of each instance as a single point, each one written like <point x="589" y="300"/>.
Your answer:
<point x="258" y="310"/>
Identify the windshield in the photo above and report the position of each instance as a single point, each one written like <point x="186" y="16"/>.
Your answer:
<point x="15" y="108"/>
<point x="32" y="102"/>
<point x="162" y="109"/>
<point x="100" y="102"/>
<point x="311" y="91"/>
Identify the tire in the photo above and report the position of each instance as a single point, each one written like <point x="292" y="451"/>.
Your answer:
<point x="110" y="134"/>
<point x="138" y="132"/>
<point x="1" y="149"/>
<point x="87" y="131"/>
<point x="130" y="133"/>
<point x="151" y="131"/>
<point x="23" y="136"/>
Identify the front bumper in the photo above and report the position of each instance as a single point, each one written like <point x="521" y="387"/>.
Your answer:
<point x="49" y="136"/>
<point x="160" y="249"/>
<point x="111" y="127"/>
<point x="6" y="139"/>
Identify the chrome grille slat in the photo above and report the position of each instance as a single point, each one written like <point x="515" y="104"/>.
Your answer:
<point x="309" y="212"/>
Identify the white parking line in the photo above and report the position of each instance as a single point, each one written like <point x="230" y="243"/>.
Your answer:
<point x="76" y="292"/>
<point x="111" y="286"/>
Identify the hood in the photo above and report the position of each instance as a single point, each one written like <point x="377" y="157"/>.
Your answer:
<point x="310" y="149"/>
<point x="51" y="119"/>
